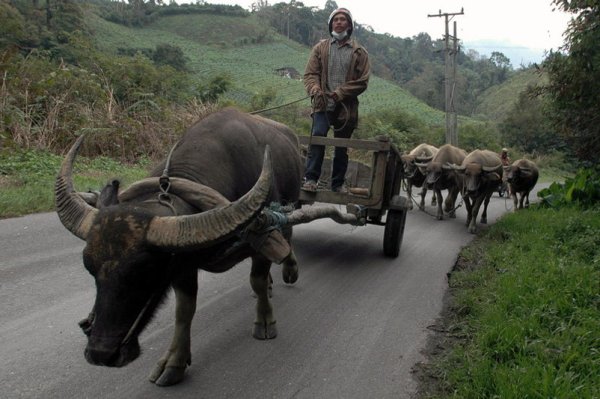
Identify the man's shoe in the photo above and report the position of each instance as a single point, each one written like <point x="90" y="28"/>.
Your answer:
<point x="309" y="185"/>
<point x="340" y="189"/>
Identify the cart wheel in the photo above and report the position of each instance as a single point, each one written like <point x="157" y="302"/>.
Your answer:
<point x="394" y="232"/>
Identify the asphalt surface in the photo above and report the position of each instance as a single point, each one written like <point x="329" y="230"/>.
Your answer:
<point x="353" y="325"/>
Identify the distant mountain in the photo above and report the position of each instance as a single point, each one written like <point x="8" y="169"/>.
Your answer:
<point x="519" y="55"/>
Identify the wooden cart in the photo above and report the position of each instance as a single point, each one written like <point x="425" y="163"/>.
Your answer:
<point x="374" y="192"/>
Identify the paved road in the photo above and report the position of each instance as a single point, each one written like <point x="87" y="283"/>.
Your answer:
<point x="351" y="327"/>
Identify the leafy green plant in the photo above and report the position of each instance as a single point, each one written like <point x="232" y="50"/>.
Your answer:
<point x="583" y="190"/>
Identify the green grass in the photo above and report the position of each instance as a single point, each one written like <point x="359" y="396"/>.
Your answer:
<point x="526" y="311"/>
<point x="27" y="179"/>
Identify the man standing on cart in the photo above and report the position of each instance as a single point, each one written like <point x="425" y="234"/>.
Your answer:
<point x="337" y="72"/>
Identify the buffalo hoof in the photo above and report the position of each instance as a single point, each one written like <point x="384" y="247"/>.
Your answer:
<point x="264" y="330"/>
<point x="167" y="376"/>
<point x="290" y="273"/>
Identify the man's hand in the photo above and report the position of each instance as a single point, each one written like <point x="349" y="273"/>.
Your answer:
<point x="316" y="91"/>
<point x="334" y="96"/>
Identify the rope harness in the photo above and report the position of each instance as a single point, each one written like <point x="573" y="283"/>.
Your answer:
<point x="255" y="234"/>
<point x="271" y="218"/>
<point x="260" y="111"/>
<point x="164" y="198"/>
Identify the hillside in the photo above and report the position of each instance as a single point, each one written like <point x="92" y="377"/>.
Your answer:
<point x="498" y="100"/>
<point x="250" y="55"/>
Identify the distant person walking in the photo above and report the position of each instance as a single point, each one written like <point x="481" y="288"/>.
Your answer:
<point x="337" y="72"/>
<point x="505" y="159"/>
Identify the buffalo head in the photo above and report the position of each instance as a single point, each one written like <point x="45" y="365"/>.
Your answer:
<point x="515" y="172"/>
<point x="476" y="176"/>
<point x="433" y="171"/>
<point x="134" y="248"/>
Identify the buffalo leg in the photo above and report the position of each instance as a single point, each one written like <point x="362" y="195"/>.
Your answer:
<point x="433" y="199"/>
<point x="440" y="201"/>
<point x="423" y="194"/>
<point x="409" y="194"/>
<point x="474" y="212"/>
<point x="485" y="206"/>
<point x="469" y="206"/>
<point x="515" y="201"/>
<point x="450" y="201"/>
<point x="525" y="196"/>
<point x="289" y="270"/>
<point x="171" y="367"/>
<point x="264" y="323"/>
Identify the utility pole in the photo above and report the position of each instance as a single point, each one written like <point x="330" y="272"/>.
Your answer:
<point x="450" y="52"/>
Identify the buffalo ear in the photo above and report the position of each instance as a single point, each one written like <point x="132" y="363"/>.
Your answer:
<point x="109" y="194"/>
<point x="525" y="172"/>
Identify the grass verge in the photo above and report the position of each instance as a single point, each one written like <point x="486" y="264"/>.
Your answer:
<point x="27" y="179"/>
<point x="522" y="318"/>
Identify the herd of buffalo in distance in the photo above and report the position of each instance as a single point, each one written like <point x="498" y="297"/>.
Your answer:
<point x="476" y="176"/>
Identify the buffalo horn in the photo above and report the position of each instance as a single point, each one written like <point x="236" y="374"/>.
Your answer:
<point x="452" y="166"/>
<point x="210" y="227"/>
<point x="73" y="211"/>
<point x="491" y="168"/>
<point x="420" y="165"/>
<point x="424" y="159"/>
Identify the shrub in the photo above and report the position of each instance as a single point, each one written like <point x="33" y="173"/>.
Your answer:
<point x="582" y="190"/>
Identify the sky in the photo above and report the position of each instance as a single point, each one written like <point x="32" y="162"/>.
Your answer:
<point x="526" y="28"/>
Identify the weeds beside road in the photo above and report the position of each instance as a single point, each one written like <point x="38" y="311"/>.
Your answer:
<point x="522" y="317"/>
<point x="27" y="179"/>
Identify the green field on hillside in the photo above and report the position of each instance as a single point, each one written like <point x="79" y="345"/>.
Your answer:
<point x="212" y="49"/>
<point x="498" y="100"/>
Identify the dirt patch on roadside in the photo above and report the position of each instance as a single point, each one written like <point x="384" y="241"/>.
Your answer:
<point x="6" y="181"/>
<point x="445" y="331"/>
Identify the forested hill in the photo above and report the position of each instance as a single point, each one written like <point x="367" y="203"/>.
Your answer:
<point x="110" y="60"/>
<point x="416" y="63"/>
<point x="264" y="67"/>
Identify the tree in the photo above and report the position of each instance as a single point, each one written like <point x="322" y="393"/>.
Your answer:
<point x="330" y="6"/>
<point x="259" y="5"/>
<point x="166" y="54"/>
<point x="12" y="26"/>
<point x="574" y="84"/>
<point x="218" y="85"/>
<point x="502" y="64"/>
<point x="527" y="128"/>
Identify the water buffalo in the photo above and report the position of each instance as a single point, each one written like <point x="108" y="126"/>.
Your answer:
<point x="482" y="170"/>
<point x="522" y="176"/>
<point x="441" y="176"/>
<point x="203" y="215"/>
<point x="423" y="153"/>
